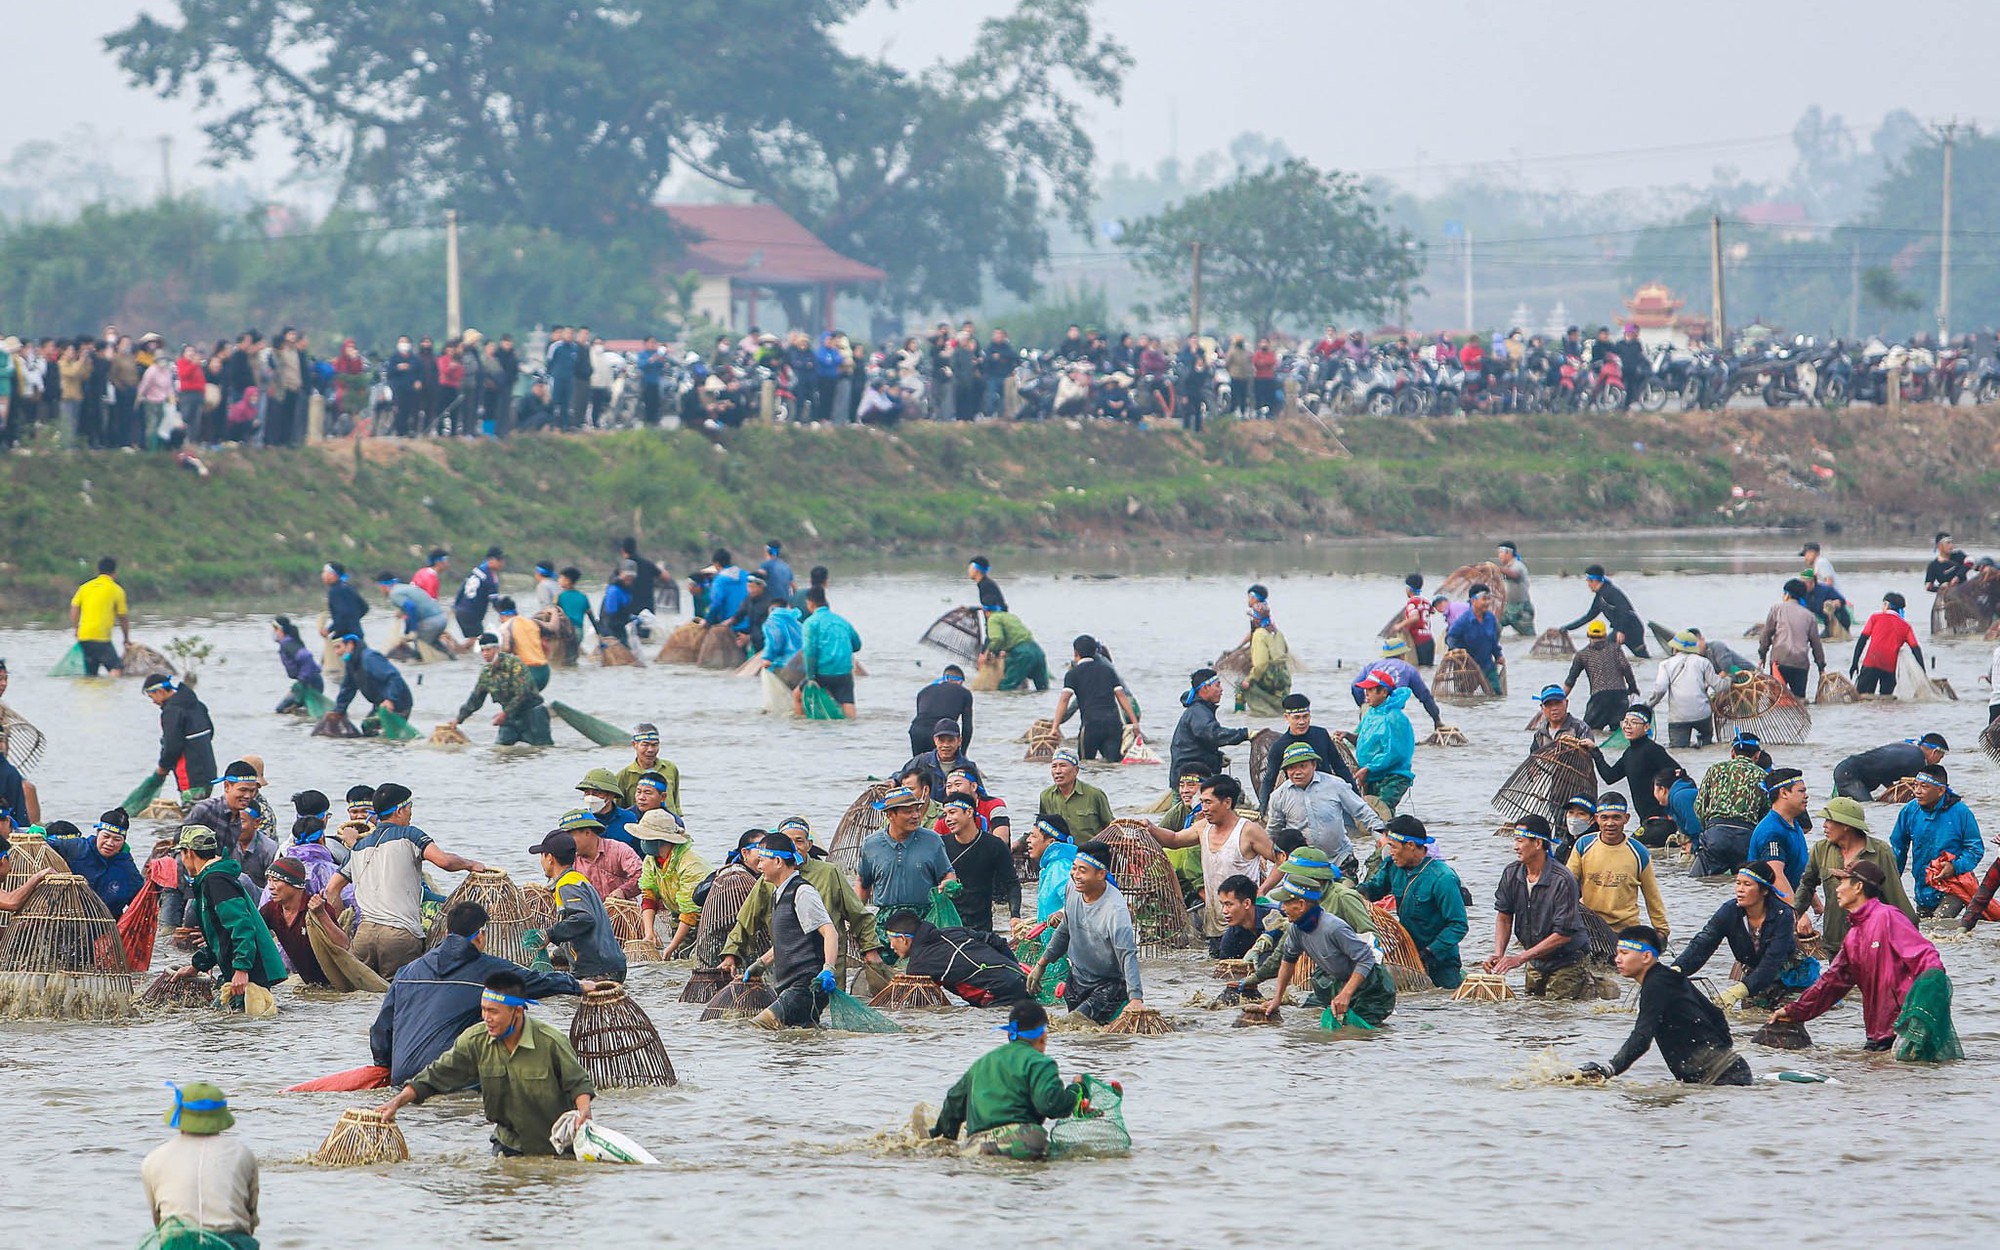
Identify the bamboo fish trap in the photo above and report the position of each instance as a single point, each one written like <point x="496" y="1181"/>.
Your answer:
<point x="30" y="855"/>
<point x="641" y="951"/>
<point x="1482" y="987"/>
<point x="721" y="648"/>
<point x="1139" y="1022"/>
<point x="1231" y="969"/>
<point x="910" y="991"/>
<point x="1546" y="780"/>
<point x="1966" y="607"/>
<point x="538" y="905"/>
<point x="612" y="653"/>
<point x="449" y="736"/>
<point x="718" y="916"/>
<point x="1834" y="688"/>
<point x="1603" y="938"/>
<point x="1235" y="662"/>
<point x="683" y="646"/>
<point x="142" y="661"/>
<point x="1044" y="739"/>
<point x="1262" y="743"/>
<point x="335" y="725"/>
<point x="1459" y="680"/>
<point x="20" y="741"/>
<point x="61" y="957"/>
<point x="1151" y="888"/>
<point x="1252" y="1017"/>
<point x="1399" y="952"/>
<point x="361" y="1138"/>
<point x="625" y="923"/>
<point x="1552" y="644"/>
<point x="617" y="1044"/>
<point x="1765" y="706"/>
<point x="1783" y="1035"/>
<point x="703" y="984"/>
<point x="956" y="632"/>
<point x="509" y="915"/>
<point x="1898" y="792"/>
<point x="1447" y="736"/>
<point x="1989" y="741"/>
<point x="856" y="823"/>
<point x="739" y="1000"/>
<point x="170" y="991"/>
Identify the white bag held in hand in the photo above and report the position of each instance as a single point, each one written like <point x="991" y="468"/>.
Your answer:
<point x="593" y="1143"/>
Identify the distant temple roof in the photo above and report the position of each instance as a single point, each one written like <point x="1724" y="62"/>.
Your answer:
<point x="761" y="243"/>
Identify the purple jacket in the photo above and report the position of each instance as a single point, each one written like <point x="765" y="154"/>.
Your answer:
<point x="1882" y="954"/>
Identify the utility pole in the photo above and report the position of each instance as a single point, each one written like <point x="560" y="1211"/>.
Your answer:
<point x="1468" y="279"/>
<point x="451" y="312"/>
<point x="166" y="167"/>
<point x="1948" y="130"/>
<point x="1194" y="298"/>
<point x="1720" y="329"/>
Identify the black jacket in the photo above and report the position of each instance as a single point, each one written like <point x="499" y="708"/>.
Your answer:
<point x="978" y="967"/>
<point x="1610" y="603"/>
<point x="1691" y="1032"/>
<point x="1763" y="954"/>
<point x="186" y="733"/>
<point x="344" y="609"/>
<point x="1642" y="761"/>
<point x="1199" y="739"/>
<point x="944" y="700"/>
<point x="1319" y="740"/>
<point x="435" y="997"/>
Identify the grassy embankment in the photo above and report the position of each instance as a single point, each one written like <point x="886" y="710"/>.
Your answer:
<point x="265" y="520"/>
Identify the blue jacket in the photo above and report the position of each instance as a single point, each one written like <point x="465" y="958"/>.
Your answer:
<point x="828" y="644"/>
<point x="344" y="609"/>
<point x="1947" y="829"/>
<point x="435" y="997"/>
<point x="1407" y="678"/>
<point x="1779" y="839"/>
<point x="561" y="374"/>
<point x="784" y="635"/>
<point x="618" y="827"/>
<point x="1386" y="744"/>
<point x="1478" y="636"/>
<point x="1052" y="884"/>
<point x="826" y="361"/>
<point x="115" y="880"/>
<point x="370" y="675"/>
<point x="1680" y="805"/>
<point x="777" y="577"/>
<point x="727" y="592"/>
<point x="298" y="661"/>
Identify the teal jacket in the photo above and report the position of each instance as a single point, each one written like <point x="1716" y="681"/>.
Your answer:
<point x="235" y="936"/>
<point x="1052" y="883"/>
<point x="1386" y="744"/>
<point x="1430" y="906"/>
<point x="830" y="644"/>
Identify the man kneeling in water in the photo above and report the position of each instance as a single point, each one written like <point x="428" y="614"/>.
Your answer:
<point x="1692" y="1033"/>
<point x="1005" y="1095"/>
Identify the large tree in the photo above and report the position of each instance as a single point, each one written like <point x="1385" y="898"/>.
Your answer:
<point x="567" y="118"/>
<point x="1291" y="243"/>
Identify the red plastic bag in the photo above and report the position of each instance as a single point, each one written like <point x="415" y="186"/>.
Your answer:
<point x="139" y="926"/>
<point x="370" y="1077"/>
<point x="1960" y="885"/>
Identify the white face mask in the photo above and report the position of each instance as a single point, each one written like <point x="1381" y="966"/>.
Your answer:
<point x="403" y="345"/>
<point x="599" y="805"/>
<point x="1580" y="825"/>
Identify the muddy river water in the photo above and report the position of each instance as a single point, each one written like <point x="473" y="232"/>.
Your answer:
<point x="1441" y="1128"/>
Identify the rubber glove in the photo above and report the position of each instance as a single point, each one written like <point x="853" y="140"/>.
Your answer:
<point x="1594" y="1071"/>
<point x="747" y="970"/>
<point x="1733" y="994"/>
<point x="1035" y="979"/>
<point x="826" y="983"/>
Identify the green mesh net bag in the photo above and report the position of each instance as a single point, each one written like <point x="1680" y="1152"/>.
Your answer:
<point x="1097" y="1128"/>
<point x="1925" y="1023"/>
<point x="142" y="795"/>
<point x="1028" y="950"/>
<point x="71" y="664"/>
<point x="819" y="705"/>
<point x="943" y="912"/>
<point x="394" y="728"/>
<point x="177" y="1234"/>
<point x="849" y="1014"/>
<point x="601" y="732"/>
<point x="315" y="702"/>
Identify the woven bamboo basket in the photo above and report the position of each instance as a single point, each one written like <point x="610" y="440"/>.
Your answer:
<point x="738" y="1000"/>
<point x="1765" y="706"/>
<point x="1899" y="792"/>
<point x="1044" y="740"/>
<point x="61" y="957"/>
<point x="169" y="991"/>
<point x="1399" y="951"/>
<point x="509" y="914"/>
<point x="1546" y="780"/>
<point x="1783" y="1035"/>
<point x="1482" y="987"/>
<point x="538" y="906"/>
<point x="1151" y="888"/>
<point x="721" y="648"/>
<point x="641" y="951"/>
<point x="449" y="736"/>
<point x="31" y="854"/>
<point x="1447" y="736"/>
<point x="1262" y="743"/>
<point x="1552" y="644"/>
<point x="957" y="631"/>
<point x="703" y="984"/>
<point x="335" y="725"/>
<point x="1835" y="688"/>
<point x="20" y="741"/>
<point x="1231" y="969"/>
<point x="1250" y="1018"/>
<point x="1139" y="1022"/>
<point x="617" y="1044"/>
<point x="856" y="823"/>
<point x="625" y="923"/>
<point x="683" y="646"/>
<point x="1812" y="946"/>
<point x="1603" y="938"/>
<point x="142" y="661"/>
<point x="1234" y="663"/>
<point x="361" y="1138"/>
<point x="718" y="916"/>
<point x="906" y="990"/>
<point x="1459" y="680"/>
<point x="163" y="809"/>
<point x="1967" y="607"/>
<point x="1989" y="741"/>
<point x="612" y="653"/>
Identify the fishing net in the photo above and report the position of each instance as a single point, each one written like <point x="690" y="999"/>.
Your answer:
<point x="1139" y="1022"/>
<point x="943" y="912"/>
<point x="1351" y="1020"/>
<point x="168" y="990"/>
<point x="612" y="653"/>
<point x="177" y="1234"/>
<point x="1989" y="741"/>
<point x="71" y="664"/>
<point x="1044" y="739"/>
<point x="721" y="647"/>
<point x="142" y="795"/>
<point x="1546" y="780"/>
<point x="20" y="742"/>
<point x="1917" y="686"/>
<point x="601" y="732"/>
<point x="856" y="823"/>
<point x="907" y="990"/>
<point x="508" y="916"/>
<point x="1399" y="950"/>
<point x="335" y="725"/>
<point x="393" y="727"/>
<point x="738" y="1000"/>
<point x="1262" y="743"/>
<point x="1966" y="607"/>
<point x="1459" y="680"/>
<point x="616" y="1043"/>
<point x="1762" y="704"/>
<point x="683" y="646"/>
<point x="818" y="704"/>
<point x="849" y="1014"/>
<point x="718" y="916"/>
<point x="360" y="1138"/>
<point x="1152" y="890"/>
<point x="1835" y="688"/>
<point x="140" y="925"/>
<point x="626" y="925"/>
<point x="142" y="661"/>
<point x="1235" y="662"/>
<point x="315" y="702"/>
<point x="703" y="984"/>
<point x="956" y="632"/>
<point x="61" y="957"/>
<point x="369" y="1076"/>
<point x="1096" y="1128"/>
<point x="449" y="736"/>
<point x="343" y="969"/>
<point x="1552" y="644"/>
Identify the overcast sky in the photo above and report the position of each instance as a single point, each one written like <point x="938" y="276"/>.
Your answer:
<point x="1421" y="93"/>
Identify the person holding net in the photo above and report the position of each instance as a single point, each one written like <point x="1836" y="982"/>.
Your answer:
<point x="1004" y="1098"/>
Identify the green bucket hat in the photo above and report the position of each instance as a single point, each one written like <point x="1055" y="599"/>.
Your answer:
<point x="601" y="779"/>
<point x="199" y="1109"/>
<point x="1308" y="864"/>
<point x="1846" y="811"/>
<point x="1298" y="753"/>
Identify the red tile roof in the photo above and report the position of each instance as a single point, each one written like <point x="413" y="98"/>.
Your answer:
<point x="762" y="243"/>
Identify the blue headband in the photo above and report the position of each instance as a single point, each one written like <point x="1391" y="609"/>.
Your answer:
<point x="981" y="565"/>
<point x="1638" y="948"/>
<point x="226" y="777"/>
<point x="1017" y="1034"/>
<point x="1093" y="861"/>
<point x="200" y="1104"/>
<point x="790" y="857"/>
<point x="1303" y="890"/>
<point x="1050" y="831"/>
<point x="506" y="1000"/>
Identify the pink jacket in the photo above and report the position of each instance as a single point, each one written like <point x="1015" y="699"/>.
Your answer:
<point x="1882" y="954"/>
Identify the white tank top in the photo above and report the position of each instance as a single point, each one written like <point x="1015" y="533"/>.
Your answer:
<point x="1218" y="866"/>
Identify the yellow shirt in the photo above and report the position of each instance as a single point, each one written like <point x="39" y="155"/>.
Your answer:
<point x="100" y="602"/>
<point x="528" y="647"/>
<point x="1611" y="883"/>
